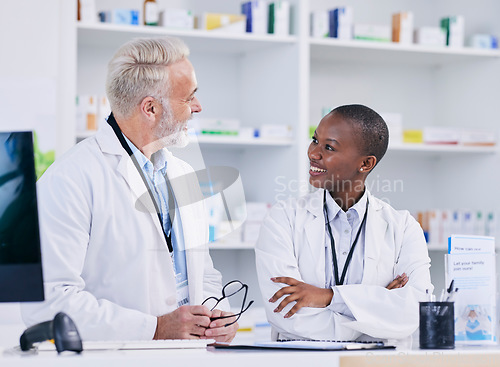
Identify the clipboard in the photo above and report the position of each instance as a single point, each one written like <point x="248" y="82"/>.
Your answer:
<point x="304" y="345"/>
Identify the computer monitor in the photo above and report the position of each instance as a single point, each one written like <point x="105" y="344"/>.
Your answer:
<point x="20" y="260"/>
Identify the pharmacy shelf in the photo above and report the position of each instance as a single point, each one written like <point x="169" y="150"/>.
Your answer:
<point x="239" y="142"/>
<point x="221" y="245"/>
<point x="219" y="141"/>
<point x="250" y="246"/>
<point x="442" y="149"/>
<point x="103" y="35"/>
<point x="330" y="49"/>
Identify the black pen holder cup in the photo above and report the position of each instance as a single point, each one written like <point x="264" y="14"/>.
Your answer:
<point x="437" y="325"/>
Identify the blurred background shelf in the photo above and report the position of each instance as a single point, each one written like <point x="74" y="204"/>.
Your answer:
<point x="442" y="149"/>
<point x="235" y="142"/>
<point x="394" y="53"/>
<point x="105" y="35"/>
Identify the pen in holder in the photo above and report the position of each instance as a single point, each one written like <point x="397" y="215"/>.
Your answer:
<point x="437" y="325"/>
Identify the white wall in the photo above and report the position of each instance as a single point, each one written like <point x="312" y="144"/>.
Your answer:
<point x="32" y="44"/>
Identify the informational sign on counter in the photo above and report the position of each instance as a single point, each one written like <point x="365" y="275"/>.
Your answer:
<point x="470" y="263"/>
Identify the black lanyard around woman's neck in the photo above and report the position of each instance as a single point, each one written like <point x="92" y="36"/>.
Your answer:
<point x="332" y="242"/>
<point x="114" y="125"/>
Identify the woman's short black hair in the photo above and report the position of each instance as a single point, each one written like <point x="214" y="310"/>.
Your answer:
<point x="373" y="131"/>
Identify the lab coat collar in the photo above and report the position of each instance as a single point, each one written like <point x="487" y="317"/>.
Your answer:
<point x="315" y="231"/>
<point x="334" y="208"/>
<point x="109" y="144"/>
<point x="314" y="202"/>
<point x="375" y="231"/>
<point x="189" y="200"/>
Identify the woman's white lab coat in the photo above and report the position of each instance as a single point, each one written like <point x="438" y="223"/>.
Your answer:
<point x="292" y="244"/>
<point x="105" y="260"/>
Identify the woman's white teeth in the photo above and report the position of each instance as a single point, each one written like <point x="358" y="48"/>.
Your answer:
<point x="316" y="169"/>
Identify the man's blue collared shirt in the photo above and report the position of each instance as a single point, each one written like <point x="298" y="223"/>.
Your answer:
<point x="155" y="171"/>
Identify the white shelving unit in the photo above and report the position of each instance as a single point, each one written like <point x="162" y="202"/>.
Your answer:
<point x="394" y="53"/>
<point x="289" y="80"/>
<point x="238" y="142"/>
<point x="102" y="34"/>
<point x="442" y="149"/>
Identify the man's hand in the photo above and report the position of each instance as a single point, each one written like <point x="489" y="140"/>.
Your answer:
<point x="186" y="322"/>
<point x="305" y="295"/>
<point x="218" y="331"/>
<point x="399" y="282"/>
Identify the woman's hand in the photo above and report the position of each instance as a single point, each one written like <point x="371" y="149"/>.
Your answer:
<point x="399" y="282"/>
<point x="305" y="295"/>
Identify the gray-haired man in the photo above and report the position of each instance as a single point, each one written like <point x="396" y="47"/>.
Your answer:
<point x="114" y="259"/>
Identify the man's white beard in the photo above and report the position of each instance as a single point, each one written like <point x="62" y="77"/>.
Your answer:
<point x="171" y="133"/>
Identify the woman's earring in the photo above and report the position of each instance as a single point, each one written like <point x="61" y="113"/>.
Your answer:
<point x="361" y="170"/>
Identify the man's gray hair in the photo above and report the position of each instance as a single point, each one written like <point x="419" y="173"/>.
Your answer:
<point x="138" y="70"/>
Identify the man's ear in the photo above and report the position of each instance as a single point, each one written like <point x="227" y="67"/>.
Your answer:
<point x="149" y="108"/>
<point x="367" y="164"/>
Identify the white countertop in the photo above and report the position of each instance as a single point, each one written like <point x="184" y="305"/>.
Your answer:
<point x="461" y="356"/>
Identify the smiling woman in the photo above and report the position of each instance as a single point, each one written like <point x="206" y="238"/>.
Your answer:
<point x="339" y="263"/>
<point x="346" y="146"/>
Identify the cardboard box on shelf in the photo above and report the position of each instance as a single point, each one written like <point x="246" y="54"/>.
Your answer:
<point x="177" y="19"/>
<point x="454" y="29"/>
<point x="430" y="36"/>
<point x="103" y="110"/>
<point x="228" y="23"/>
<point x="320" y="27"/>
<point x="87" y="12"/>
<point x="87" y="112"/>
<point x="402" y="28"/>
<point x="372" y="32"/>
<point x="413" y="136"/>
<point x="256" y="12"/>
<point x="212" y="126"/>
<point x="120" y="16"/>
<point x="275" y="131"/>
<point x="441" y="135"/>
<point x="279" y="18"/>
<point x="341" y="23"/>
<point x="477" y="137"/>
<point x="486" y="41"/>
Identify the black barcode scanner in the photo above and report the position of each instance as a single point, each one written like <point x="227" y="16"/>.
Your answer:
<point x="62" y="330"/>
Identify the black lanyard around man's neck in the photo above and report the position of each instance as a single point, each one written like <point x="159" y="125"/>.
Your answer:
<point x="332" y="243"/>
<point x="114" y="125"/>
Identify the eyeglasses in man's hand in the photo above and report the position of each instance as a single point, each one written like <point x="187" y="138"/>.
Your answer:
<point x="230" y="289"/>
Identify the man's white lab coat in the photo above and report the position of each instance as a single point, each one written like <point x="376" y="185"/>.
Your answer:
<point x="105" y="259"/>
